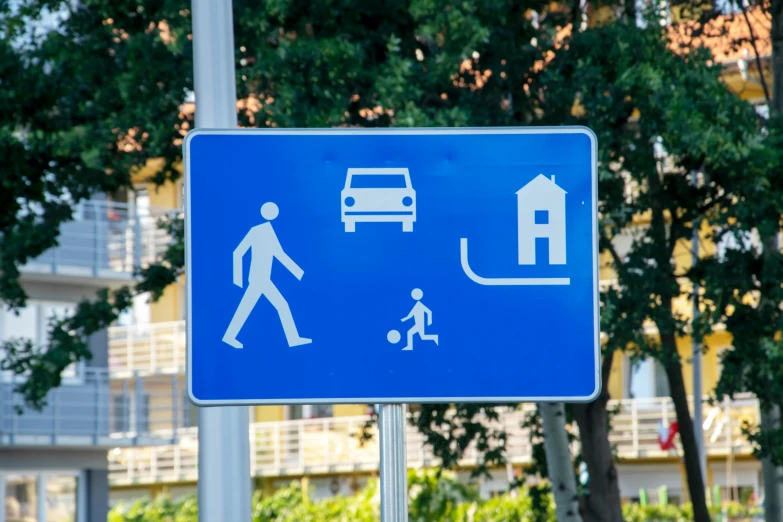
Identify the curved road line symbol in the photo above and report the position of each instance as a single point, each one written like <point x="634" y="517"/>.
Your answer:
<point x="504" y="281"/>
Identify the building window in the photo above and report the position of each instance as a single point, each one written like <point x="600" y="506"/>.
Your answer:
<point x="60" y="498"/>
<point x="542" y="217"/>
<point x="40" y="496"/>
<point x="647" y="379"/>
<point x="21" y="498"/>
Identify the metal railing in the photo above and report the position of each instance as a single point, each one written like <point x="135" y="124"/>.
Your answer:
<point x="147" y="348"/>
<point x="330" y="445"/>
<point x="105" y="239"/>
<point x="88" y="411"/>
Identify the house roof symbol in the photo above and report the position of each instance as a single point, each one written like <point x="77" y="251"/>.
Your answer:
<point x="541" y="185"/>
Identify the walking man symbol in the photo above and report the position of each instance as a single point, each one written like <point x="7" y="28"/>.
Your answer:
<point x="264" y="248"/>
<point x="419" y="313"/>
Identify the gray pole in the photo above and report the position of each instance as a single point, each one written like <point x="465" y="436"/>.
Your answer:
<point x="698" y="415"/>
<point x="394" y="463"/>
<point x="223" y="436"/>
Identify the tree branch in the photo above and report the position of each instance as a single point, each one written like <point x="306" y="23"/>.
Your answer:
<point x="756" y="53"/>
<point x="619" y="265"/>
<point x="606" y="368"/>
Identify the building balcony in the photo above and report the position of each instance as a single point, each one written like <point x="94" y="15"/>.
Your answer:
<point x="330" y="445"/>
<point x="87" y="411"/>
<point x="104" y="243"/>
<point x="156" y="348"/>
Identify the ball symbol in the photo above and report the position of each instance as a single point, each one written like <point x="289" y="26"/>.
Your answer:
<point x="393" y="336"/>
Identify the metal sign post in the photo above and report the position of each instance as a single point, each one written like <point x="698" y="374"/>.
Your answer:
<point x="394" y="464"/>
<point x="224" y="445"/>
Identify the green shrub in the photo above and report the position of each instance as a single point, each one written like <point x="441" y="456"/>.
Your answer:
<point x="433" y="497"/>
<point x="505" y="508"/>
<point x="438" y="495"/>
<point x="162" y="509"/>
<point x="734" y="512"/>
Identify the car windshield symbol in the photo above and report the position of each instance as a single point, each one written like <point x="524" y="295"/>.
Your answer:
<point x="378" y="195"/>
<point x="367" y="181"/>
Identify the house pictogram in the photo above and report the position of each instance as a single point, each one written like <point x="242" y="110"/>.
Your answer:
<point x="541" y="215"/>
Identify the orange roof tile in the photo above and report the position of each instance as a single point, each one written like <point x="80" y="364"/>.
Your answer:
<point x="727" y="37"/>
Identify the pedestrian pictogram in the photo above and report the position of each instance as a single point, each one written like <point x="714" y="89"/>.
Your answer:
<point x="264" y="248"/>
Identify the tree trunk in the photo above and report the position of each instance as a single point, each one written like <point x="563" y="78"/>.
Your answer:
<point x="770" y="418"/>
<point x="687" y="438"/>
<point x="558" y="462"/>
<point x="603" y="504"/>
<point x="773" y="475"/>
<point x="776" y="35"/>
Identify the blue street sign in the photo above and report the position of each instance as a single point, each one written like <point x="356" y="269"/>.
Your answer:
<point x="374" y="266"/>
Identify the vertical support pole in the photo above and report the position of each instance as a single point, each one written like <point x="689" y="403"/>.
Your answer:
<point x="55" y="415"/>
<point x="137" y="245"/>
<point x="224" y="444"/>
<point x="40" y="495"/>
<point x="99" y="409"/>
<point x="394" y="466"/>
<point x="14" y="417"/>
<point x="3" y="493"/>
<point x="81" y="497"/>
<point x="97" y="243"/>
<point x="698" y="415"/>
<point x="124" y="410"/>
<point x="138" y="403"/>
<point x="5" y="389"/>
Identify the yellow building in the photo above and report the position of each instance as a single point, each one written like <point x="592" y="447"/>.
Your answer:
<point x="147" y="357"/>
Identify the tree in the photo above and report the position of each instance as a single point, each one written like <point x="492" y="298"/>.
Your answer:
<point x="90" y="92"/>
<point x="743" y="285"/>
<point x="659" y="117"/>
<point x="603" y="502"/>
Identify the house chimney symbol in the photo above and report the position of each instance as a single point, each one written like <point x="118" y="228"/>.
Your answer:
<point x="541" y="214"/>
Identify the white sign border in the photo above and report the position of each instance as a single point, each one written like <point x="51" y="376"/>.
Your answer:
<point x="396" y="131"/>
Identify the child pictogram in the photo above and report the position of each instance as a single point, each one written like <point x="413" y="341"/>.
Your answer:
<point x="420" y="314"/>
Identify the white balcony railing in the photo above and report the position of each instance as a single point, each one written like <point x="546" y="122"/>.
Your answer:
<point x="330" y="445"/>
<point x="147" y="348"/>
<point x="105" y="239"/>
<point x="88" y="411"/>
